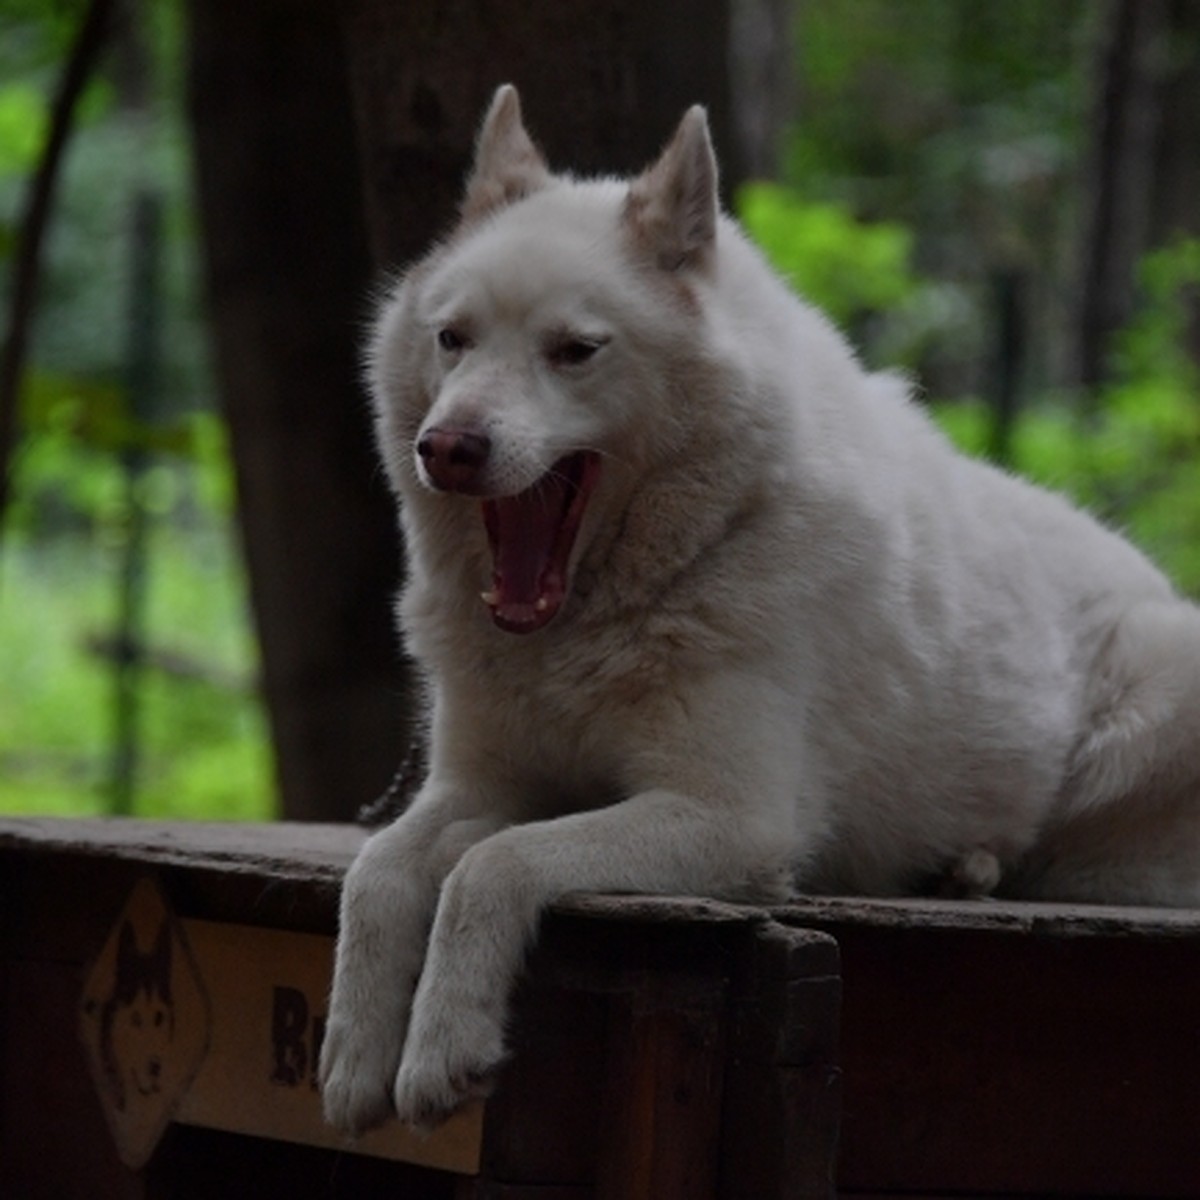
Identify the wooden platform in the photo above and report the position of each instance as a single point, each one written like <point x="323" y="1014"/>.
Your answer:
<point x="662" y="1048"/>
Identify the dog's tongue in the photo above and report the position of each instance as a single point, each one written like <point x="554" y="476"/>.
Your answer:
<point x="531" y="536"/>
<point x="524" y="530"/>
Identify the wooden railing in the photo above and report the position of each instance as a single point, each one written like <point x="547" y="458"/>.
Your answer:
<point x="663" y="1048"/>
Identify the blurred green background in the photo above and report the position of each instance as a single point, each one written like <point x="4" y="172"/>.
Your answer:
<point x="74" y="505"/>
<point x="933" y="183"/>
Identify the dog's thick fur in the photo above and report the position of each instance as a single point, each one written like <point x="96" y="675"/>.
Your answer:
<point x="798" y="641"/>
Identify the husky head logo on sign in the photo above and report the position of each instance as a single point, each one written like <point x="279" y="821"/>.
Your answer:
<point x="144" y="1021"/>
<point x="137" y="1020"/>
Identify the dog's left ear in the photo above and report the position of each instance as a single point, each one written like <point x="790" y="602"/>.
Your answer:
<point x="672" y="207"/>
<point x="507" y="163"/>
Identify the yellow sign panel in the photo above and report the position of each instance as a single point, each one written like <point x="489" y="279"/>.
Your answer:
<point x="270" y="990"/>
<point x="236" y="1036"/>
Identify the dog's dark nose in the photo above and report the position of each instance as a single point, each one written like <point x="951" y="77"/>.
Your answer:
<point x="454" y="459"/>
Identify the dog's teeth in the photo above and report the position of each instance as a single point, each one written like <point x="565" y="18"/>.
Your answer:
<point x="491" y="599"/>
<point x="541" y="604"/>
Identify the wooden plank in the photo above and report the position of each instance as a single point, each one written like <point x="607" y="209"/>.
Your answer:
<point x="987" y="1062"/>
<point x="1039" y="919"/>
<point x="663" y="1087"/>
<point x="283" y="849"/>
<point x="543" y="1123"/>
<point x="203" y="1164"/>
<point x="782" y="1090"/>
<point x="482" y="1189"/>
<point x="320" y="853"/>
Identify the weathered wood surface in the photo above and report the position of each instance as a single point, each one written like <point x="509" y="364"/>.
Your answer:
<point x="321" y="853"/>
<point x="994" y="916"/>
<point x="986" y="1047"/>
<point x="662" y="1048"/>
<point x="288" y="849"/>
<point x="1009" y="1049"/>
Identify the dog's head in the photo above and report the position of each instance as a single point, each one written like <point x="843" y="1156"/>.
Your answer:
<point x="519" y="368"/>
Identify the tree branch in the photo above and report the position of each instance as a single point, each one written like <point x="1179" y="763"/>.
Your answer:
<point x="38" y="204"/>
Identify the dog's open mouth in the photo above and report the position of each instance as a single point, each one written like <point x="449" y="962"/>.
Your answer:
<point x="531" y="536"/>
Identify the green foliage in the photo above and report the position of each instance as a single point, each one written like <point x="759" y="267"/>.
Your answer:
<point x="203" y="746"/>
<point x="859" y="273"/>
<point x="204" y="750"/>
<point x="965" y="122"/>
<point x="22" y="126"/>
<point x="1131" y="457"/>
<point x="80" y="329"/>
<point x="962" y="122"/>
<point x="845" y="267"/>
<point x="36" y="34"/>
<point x="901" y="104"/>
<point x="1155" y="345"/>
<point x="68" y="474"/>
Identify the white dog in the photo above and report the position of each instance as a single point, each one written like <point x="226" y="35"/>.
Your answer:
<point x="705" y="608"/>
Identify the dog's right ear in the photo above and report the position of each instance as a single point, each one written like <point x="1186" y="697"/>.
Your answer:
<point x="507" y="163"/>
<point x="672" y="206"/>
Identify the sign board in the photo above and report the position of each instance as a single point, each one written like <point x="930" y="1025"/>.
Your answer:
<point x="219" y="1026"/>
<point x="145" y="1022"/>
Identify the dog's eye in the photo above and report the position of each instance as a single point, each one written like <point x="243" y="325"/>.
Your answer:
<point x="572" y="352"/>
<point x="451" y="341"/>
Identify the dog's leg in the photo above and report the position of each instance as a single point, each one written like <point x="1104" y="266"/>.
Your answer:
<point x="1128" y="830"/>
<point x="388" y="900"/>
<point x="655" y="842"/>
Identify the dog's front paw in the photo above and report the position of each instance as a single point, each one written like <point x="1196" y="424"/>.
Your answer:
<point x="356" y="1076"/>
<point x="449" y="1060"/>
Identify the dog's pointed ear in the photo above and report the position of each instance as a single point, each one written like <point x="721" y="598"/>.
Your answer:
<point x="507" y="163"/>
<point x="672" y="207"/>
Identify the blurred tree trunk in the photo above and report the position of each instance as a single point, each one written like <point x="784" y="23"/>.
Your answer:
<point x="1144" y="163"/>
<point x="762" y="63"/>
<point x="287" y="271"/>
<point x="1176" y="208"/>
<point x="603" y="84"/>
